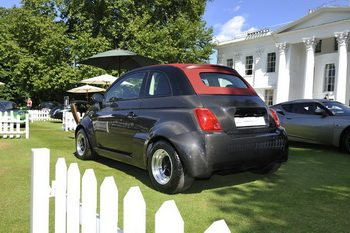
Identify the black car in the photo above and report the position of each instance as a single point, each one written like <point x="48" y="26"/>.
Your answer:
<point x="57" y="112"/>
<point x="47" y="105"/>
<point x="9" y="106"/>
<point x="181" y="122"/>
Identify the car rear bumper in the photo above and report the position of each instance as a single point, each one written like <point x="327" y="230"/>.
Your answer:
<point x="202" y="154"/>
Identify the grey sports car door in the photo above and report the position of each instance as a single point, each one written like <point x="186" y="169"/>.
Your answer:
<point x="303" y="124"/>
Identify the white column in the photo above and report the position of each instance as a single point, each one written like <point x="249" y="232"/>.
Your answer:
<point x="257" y="67"/>
<point x="283" y="79"/>
<point x="237" y="61"/>
<point x="220" y="59"/>
<point x="310" y="44"/>
<point x="341" y="72"/>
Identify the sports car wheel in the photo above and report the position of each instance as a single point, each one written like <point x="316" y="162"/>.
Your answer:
<point x="345" y="141"/>
<point x="166" y="170"/>
<point x="83" y="148"/>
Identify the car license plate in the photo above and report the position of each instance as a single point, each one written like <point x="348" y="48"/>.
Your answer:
<point x="249" y="121"/>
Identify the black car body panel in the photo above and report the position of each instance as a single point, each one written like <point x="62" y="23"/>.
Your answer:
<point x="125" y="129"/>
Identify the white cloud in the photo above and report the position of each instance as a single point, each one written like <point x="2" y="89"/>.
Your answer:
<point x="230" y="28"/>
<point x="234" y="9"/>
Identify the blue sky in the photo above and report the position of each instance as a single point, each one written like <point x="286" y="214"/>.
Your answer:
<point x="230" y="17"/>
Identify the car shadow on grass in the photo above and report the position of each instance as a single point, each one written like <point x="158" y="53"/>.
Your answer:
<point x="213" y="182"/>
<point x="218" y="181"/>
<point x="316" y="147"/>
<point x="135" y="172"/>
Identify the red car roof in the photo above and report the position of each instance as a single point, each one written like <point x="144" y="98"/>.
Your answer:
<point x="193" y="73"/>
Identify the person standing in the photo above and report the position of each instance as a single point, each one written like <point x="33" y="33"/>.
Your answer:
<point x="29" y="103"/>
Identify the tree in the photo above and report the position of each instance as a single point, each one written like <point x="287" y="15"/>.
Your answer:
<point x="170" y="31"/>
<point x="42" y="41"/>
<point x="34" y="53"/>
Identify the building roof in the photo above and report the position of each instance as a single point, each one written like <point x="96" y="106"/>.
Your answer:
<point x="321" y="16"/>
<point x="316" y="18"/>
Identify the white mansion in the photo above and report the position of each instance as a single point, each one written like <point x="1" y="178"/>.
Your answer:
<point x="308" y="58"/>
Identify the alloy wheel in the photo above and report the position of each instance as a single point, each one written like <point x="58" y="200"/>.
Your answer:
<point x="161" y="165"/>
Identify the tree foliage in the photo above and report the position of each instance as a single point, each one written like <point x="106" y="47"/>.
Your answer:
<point x="41" y="41"/>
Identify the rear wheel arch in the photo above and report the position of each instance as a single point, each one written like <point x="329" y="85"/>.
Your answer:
<point x="151" y="143"/>
<point x="344" y="140"/>
<point x="166" y="168"/>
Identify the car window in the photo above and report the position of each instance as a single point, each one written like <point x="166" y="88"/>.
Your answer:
<point x="127" y="88"/>
<point x="287" y="107"/>
<point x="159" y="85"/>
<point x="338" y="109"/>
<point x="304" y="108"/>
<point x="222" y="80"/>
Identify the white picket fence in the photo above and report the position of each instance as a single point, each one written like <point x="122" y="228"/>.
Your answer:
<point x="73" y="216"/>
<point x="68" y="122"/>
<point x="40" y="115"/>
<point x="10" y="126"/>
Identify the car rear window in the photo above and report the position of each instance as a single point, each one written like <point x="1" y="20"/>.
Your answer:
<point x="222" y="80"/>
<point x="216" y="80"/>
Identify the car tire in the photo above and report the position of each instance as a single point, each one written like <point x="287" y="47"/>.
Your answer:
<point x="82" y="146"/>
<point x="345" y="141"/>
<point x="267" y="169"/>
<point x="165" y="169"/>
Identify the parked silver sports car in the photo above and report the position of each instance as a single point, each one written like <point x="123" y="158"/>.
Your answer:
<point x="316" y="121"/>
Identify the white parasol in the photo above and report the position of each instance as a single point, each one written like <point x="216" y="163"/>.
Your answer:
<point x="86" y="89"/>
<point x="104" y="79"/>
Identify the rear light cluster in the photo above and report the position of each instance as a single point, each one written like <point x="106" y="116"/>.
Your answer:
<point x="207" y="120"/>
<point x="275" y="117"/>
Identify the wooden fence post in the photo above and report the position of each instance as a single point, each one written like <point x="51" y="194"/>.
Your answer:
<point x="40" y="191"/>
<point x="108" y="206"/>
<point x="60" y="196"/>
<point x="73" y="199"/>
<point x="168" y="219"/>
<point x="27" y="126"/>
<point x="89" y="202"/>
<point x="218" y="226"/>
<point x="134" y="212"/>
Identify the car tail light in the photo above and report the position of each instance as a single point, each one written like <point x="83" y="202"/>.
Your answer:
<point x="275" y="117"/>
<point x="207" y="120"/>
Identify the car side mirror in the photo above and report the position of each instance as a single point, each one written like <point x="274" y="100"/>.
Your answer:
<point x="97" y="97"/>
<point x="321" y="112"/>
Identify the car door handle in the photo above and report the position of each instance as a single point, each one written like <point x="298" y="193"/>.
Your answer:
<point x="289" y="118"/>
<point x="131" y="115"/>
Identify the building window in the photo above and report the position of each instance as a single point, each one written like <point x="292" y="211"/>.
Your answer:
<point x="249" y="65"/>
<point x="269" y="97"/>
<point x="318" y="46"/>
<point x="335" y="44"/>
<point x="229" y="62"/>
<point x="271" y="62"/>
<point x="329" y="77"/>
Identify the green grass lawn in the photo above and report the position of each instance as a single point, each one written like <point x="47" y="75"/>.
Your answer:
<point x="310" y="193"/>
